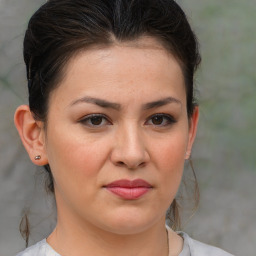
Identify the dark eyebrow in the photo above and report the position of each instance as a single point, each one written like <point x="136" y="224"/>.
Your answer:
<point x="96" y="101"/>
<point x="159" y="103"/>
<point x="106" y="104"/>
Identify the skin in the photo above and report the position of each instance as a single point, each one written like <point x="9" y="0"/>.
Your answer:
<point x="126" y="143"/>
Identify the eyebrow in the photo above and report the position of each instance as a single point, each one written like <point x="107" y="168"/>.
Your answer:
<point x="100" y="102"/>
<point x="116" y="106"/>
<point x="160" y="103"/>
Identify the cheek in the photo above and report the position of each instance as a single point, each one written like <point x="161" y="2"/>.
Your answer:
<point x="169" y="156"/>
<point x="170" y="152"/>
<point x="75" y="159"/>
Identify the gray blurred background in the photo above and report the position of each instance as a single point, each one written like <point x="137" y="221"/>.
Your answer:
<point x="224" y="154"/>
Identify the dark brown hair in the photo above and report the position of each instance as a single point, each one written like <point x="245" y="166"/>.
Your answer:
<point x="61" y="28"/>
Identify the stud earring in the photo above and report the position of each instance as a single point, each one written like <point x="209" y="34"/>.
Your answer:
<point x="37" y="157"/>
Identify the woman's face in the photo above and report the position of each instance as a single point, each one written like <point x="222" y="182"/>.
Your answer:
<point x="117" y="136"/>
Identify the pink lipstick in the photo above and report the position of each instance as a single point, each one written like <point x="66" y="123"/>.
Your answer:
<point x="129" y="189"/>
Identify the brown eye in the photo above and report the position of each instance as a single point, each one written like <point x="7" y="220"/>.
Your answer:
<point x="157" y="120"/>
<point x="160" y="120"/>
<point x="95" y="121"/>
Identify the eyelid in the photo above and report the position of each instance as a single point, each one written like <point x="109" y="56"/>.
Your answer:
<point x="167" y="120"/>
<point x="89" y="116"/>
<point x="92" y="115"/>
<point x="170" y="118"/>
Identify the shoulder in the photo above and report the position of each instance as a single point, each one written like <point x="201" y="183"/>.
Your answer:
<point x="200" y="249"/>
<point x="39" y="249"/>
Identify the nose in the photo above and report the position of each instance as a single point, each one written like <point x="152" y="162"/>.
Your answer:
<point x="129" y="149"/>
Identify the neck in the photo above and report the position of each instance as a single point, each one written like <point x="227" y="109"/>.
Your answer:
<point x="90" y="240"/>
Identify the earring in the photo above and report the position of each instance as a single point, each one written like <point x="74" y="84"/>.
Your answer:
<point x="37" y="157"/>
<point x="187" y="155"/>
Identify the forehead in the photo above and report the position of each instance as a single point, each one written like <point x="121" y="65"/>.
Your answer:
<point x="143" y="65"/>
<point x="148" y="45"/>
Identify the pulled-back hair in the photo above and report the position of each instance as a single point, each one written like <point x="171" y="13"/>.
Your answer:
<point x="62" y="28"/>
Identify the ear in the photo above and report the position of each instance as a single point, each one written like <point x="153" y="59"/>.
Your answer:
<point x="193" y="122"/>
<point x="32" y="134"/>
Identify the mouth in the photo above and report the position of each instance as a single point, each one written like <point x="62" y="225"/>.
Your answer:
<point x="129" y="189"/>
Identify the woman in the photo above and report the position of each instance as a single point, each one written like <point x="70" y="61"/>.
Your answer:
<point x="112" y="118"/>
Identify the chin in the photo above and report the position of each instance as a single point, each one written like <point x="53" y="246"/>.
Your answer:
<point x="130" y="223"/>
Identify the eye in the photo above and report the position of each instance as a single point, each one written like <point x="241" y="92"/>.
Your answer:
<point x="161" y="120"/>
<point x="95" y="120"/>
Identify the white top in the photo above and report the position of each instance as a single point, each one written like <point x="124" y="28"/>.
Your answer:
<point x="191" y="247"/>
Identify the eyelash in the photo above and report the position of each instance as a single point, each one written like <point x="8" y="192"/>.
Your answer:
<point x="87" y="120"/>
<point x="169" y="120"/>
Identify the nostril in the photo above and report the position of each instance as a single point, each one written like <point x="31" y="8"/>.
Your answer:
<point x="120" y="163"/>
<point x="123" y="164"/>
<point x="142" y="164"/>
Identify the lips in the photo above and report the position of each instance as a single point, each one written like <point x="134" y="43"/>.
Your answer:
<point x="129" y="189"/>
